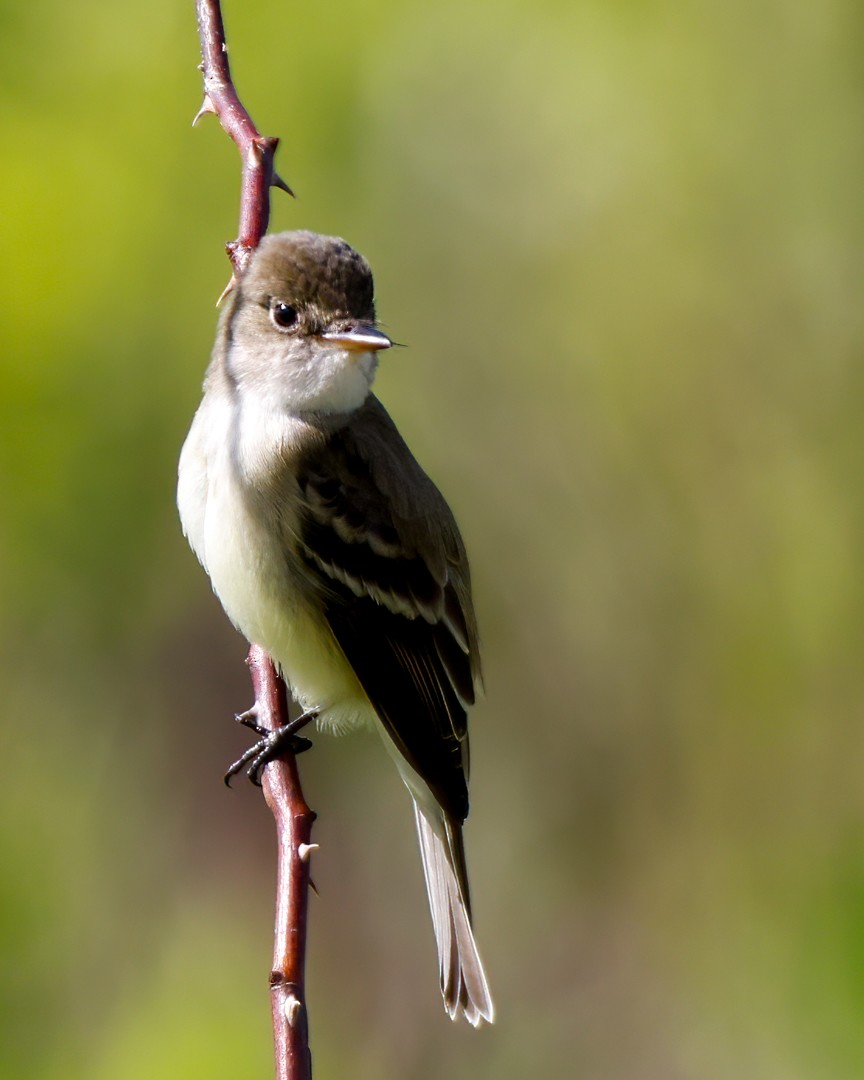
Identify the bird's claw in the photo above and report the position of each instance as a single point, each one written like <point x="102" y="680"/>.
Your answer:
<point x="271" y="746"/>
<point x="250" y="719"/>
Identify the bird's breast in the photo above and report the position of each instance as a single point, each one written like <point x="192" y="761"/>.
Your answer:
<point x="251" y="554"/>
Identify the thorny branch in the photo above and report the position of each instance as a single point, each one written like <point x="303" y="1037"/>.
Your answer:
<point x="281" y="781"/>
<point x="256" y="150"/>
<point x="293" y="834"/>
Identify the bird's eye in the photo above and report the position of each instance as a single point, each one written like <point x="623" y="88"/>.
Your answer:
<point x="284" y="315"/>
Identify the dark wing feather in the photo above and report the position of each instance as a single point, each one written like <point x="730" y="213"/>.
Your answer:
<point x="393" y="578"/>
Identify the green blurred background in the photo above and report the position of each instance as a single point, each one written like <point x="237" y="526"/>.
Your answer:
<point x="624" y="243"/>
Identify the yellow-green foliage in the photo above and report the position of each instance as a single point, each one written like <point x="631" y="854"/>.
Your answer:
<point x="623" y="241"/>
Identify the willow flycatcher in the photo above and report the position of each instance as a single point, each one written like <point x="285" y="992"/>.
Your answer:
<point x="329" y="547"/>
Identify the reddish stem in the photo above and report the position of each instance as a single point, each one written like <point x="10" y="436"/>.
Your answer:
<point x="256" y="150"/>
<point x="293" y="831"/>
<point x="281" y="780"/>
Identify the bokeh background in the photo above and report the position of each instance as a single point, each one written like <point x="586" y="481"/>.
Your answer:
<point x="623" y="241"/>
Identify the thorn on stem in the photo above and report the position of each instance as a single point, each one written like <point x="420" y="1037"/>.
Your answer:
<point x="277" y="181"/>
<point x="304" y="851"/>
<point x="249" y="719"/>
<point x="206" y="107"/>
<point x="228" y="289"/>
<point x="292" y="1009"/>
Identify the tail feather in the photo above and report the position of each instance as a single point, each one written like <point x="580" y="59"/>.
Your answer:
<point x="463" y="980"/>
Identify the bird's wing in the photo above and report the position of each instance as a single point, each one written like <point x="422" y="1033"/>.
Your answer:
<point x="386" y="554"/>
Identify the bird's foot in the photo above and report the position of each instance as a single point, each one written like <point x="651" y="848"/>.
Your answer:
<point x="271" y="745"/>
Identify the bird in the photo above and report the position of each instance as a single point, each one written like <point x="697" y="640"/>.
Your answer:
<point x="330" y="548"/>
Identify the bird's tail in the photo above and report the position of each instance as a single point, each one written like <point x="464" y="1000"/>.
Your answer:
<point x="463" y="980"/>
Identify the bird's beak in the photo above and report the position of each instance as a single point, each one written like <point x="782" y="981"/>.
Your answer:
<point x="361" y="338"/>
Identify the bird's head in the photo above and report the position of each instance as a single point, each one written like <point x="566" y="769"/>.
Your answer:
<point x="300" y="331"/>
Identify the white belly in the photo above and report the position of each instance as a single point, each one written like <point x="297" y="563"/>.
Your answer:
<point x="250" y="574"/>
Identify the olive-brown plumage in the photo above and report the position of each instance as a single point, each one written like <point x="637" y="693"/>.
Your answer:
<point x="330" y="547"/>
